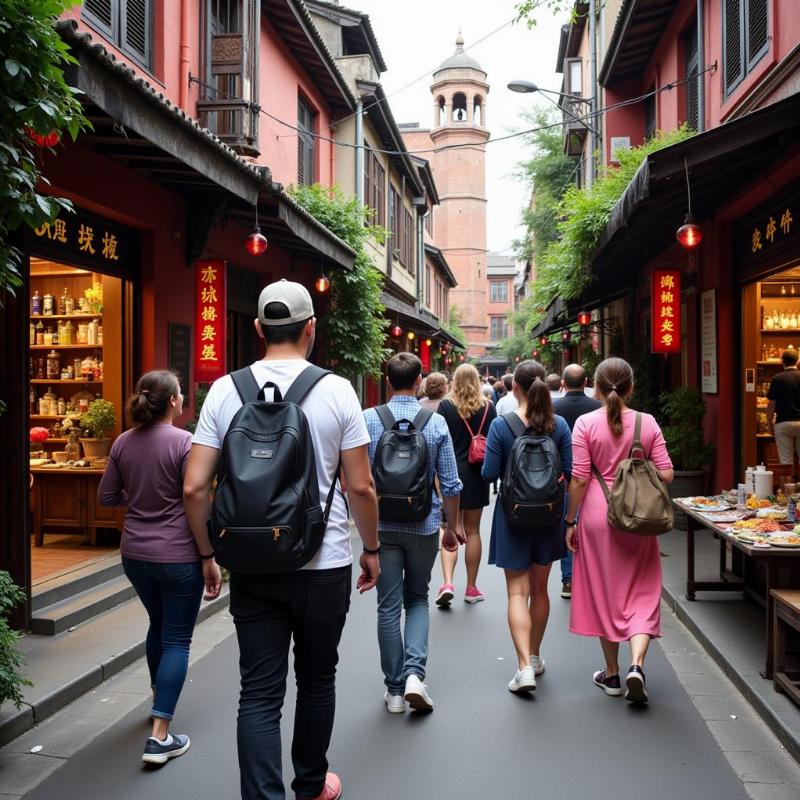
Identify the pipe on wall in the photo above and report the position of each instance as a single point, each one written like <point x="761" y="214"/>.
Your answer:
<point x="183" y="95"/>
<point x="595" y="104"/>
<point x="360" y="152"/>
<point x="701" y="65"/>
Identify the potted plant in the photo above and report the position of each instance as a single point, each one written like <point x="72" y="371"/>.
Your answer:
<point x="97" y="421"/>
<point x="11" y="681"/>
<point x="683" y="410"/>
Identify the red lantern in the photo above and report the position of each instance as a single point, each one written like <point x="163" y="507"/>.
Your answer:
<point x="43" y="139"/>
<point x="566" y="336"/>
<point x="517" y="359"/>
<point x="584" y="318"/>
<point x="544" y="341"/>
<point x="689" y="234"/>
<point x="396" y="331"/>
<point x="256" y="243"/>
<point x="322" y="284"/>
<point x="461" y="357"/>
<point x="534" y="354"/>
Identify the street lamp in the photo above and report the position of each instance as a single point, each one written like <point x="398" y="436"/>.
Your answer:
<point x="528" y="87"/>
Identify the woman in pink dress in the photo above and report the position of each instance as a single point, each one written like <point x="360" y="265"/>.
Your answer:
<point x="616" y="579"/>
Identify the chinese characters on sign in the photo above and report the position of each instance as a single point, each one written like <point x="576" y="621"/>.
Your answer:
<point x="666" y="309"/>
<point x="708" y="329"/>
<point x="772" y="231"/>
<point x="209" y="338"/>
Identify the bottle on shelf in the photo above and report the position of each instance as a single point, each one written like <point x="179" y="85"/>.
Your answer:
<point x="36" y="304"/>
<point x="83" y="333"/>
<point x="48" y="305"/>
<point x="62" y="406"/>
<point x="32" y="333"/>
<point x="32" y="401"/>
<point x="68" y="333"/>
<point x="53" y="365"/>
<point x="72" y="448"/>
<point x="100" y="335"/>
<point x="39" y="332"/>
<point x="48" y="336"/>
<point x="40" y="369"/>
<point x="793" y="320"/>
<point x="55" y="338"/>
<point x="67" y="302"/>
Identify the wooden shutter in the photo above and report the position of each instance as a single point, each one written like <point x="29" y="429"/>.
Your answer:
<point x="136" y="28"/>
<point x="733" y="43"/>
<point x="305" y="143"/>
<point x="692" y="66"/>
<point x="101" y="13"/>
<point x="379" y="182"/>
<point x="650" y="117"/>
<point x="757" y="30"/>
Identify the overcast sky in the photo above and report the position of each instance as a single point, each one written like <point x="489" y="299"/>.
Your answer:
<point x="417" y="35"/>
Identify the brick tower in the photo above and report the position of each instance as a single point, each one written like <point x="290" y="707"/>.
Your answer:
<point x="459" y="92"/>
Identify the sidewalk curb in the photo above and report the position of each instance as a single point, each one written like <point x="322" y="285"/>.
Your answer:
<point x="32" y="714"/>
<point x="788" y="737"/>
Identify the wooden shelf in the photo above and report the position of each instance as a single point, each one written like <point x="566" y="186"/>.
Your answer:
<point x="783" y="331"/>
<point x="769" y="363"/>
<point x="74" y="415"/>
<point x="48" y="381"/>
<point x="65" y="346"/>
<point x="82" y="315"/>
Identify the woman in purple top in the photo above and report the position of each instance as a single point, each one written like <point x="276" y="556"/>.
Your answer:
<point x="159" y="555"/>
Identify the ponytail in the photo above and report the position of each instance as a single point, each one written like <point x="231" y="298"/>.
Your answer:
<point x="150" y="402"/>
<point x="530" y="377"/>
<point x="614" y="379"/>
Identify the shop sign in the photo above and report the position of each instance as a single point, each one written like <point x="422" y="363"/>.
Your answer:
<point x="708" y="327"/>
<point x="425" y="355"/>
<point x="765" y="237"/>
<point x="666" y="309"/>
<point x="210" y="316"/>
<point x="89" y="240"/>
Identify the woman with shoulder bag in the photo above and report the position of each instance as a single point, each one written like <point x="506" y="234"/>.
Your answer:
<point x="468" y="415"/>
<point x="524" y="552"/>
<point x="616" y="579"/>
<point x="159" y="554"/>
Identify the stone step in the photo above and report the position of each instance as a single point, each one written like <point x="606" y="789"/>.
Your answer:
<point x="71" y="583"/>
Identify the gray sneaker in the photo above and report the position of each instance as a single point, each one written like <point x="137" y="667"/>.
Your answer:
<point x="156" y="752"/>
<point x="523" y="681"/>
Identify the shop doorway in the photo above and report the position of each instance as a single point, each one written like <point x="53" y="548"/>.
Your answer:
<point x="78" y="354"/>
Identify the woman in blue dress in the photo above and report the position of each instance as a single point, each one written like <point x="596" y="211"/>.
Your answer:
<point x="526" y="555"/>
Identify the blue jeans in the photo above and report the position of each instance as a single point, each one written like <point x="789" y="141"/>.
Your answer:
<point x="171" y="593"/>
<point x="406" y="563"/>
<point x="566" y="568"/>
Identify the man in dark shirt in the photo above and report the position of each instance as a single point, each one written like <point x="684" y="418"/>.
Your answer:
<point x="783" y="410"/>
<point x="572" y="405"/>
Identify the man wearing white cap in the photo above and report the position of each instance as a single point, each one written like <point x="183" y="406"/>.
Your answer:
<point x="310" y="604"/>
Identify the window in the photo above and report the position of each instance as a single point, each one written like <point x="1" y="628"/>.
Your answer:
<point x="395" y="221"/>
<point x="428" y="298"/>
<point x="407" y="242"/>
<point x="650" y="115"/>
<point x="306" y="144"/>
<point x="745" y="38"/>
<point x="429" y="222"/>
<point x="574" y="77"/>
<point x="477" y="110"/>
<point x="498" y="328"/>
<point x="498" y="291"/>
<point x="375" y="186"/>
<point x="127" y="23"/>
<point x="690" y="47"/>
<point x="459" y="107"/>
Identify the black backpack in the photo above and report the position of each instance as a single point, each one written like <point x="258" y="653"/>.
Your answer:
<point x="533" y="487"/>
<point x="266" y="516"/>
<point x="400" y="468"/>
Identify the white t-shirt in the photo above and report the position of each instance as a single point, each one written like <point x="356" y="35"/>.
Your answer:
<point x="506" y="404"/>
<point x="336" y="423"/>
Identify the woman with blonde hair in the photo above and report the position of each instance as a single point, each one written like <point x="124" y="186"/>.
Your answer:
<point x="616" y="579"/>
<point x="468" y="415"/>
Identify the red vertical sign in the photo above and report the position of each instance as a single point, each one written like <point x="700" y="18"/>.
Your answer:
<point x="425" y="355"/>
<point x="209" y="323"/>
<point x="666" y="308"/>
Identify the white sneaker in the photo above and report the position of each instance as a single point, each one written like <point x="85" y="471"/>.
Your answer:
<point x="538" y="665"/>
<point x="523" y="681"/>
<point x="395" y="703"/>
<point x="417" y="694"/>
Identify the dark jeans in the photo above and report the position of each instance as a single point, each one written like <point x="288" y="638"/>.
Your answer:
<point x="171" y="593"/>
<point x="309" y="606"/>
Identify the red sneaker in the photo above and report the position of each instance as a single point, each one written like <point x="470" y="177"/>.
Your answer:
<point x="332" y="790"/>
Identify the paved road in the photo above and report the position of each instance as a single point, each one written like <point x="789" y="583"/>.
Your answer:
<point x="568" y="741"/>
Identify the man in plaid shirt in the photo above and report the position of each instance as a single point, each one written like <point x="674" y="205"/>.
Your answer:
<point x="409" y="550"/>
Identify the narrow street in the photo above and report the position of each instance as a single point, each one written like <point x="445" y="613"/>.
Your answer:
<point x="566" y="740"/>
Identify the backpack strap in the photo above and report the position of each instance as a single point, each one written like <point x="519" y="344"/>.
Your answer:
<point x="515" y="423"/>
<point x="385" y="416"/>
<point x="483" y="420"/>
<point x="637" y="437"/>
<point x="331" y="492"/>
<point x="422" y="419"/>
<point x="246" y="385"/>
<point x="304" y="383"/>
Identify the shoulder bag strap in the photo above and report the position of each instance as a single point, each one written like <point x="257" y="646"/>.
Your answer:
<point x="304" y="383"/>
<point x="637" y="437"/>
<point x="246" y="385"/>
<point x="515" y="423"/>
<point x="386" y="417"/>
<point x="602" y="481"/>
<point x="423" y="417"/>
<point x="483" y="420"/>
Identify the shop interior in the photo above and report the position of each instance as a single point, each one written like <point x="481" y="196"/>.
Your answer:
<point x="77" y="356"/>
<point x="771" y="324"/>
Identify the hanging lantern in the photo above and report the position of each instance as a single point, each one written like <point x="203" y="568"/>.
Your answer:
<point x="411" y="336"/>
<point x="566" y="336"/>
<point x="43" y="139"/>
<point x="429" y="342"/>
<point x="689" y="234"/>
<point x="534" y="354"/>
<point x="461" y="357"/>
<point x="517" y="359"/>
<point x="544" y="341"/>
<point x="322" y="284"/>
<point x="256" y="243"/>
<point x="396" y="331"/>
<point x="584" y="318"/>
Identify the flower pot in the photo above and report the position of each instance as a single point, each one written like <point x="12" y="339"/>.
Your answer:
<point x="95" y="448"/>
<point x="686" y="484"/>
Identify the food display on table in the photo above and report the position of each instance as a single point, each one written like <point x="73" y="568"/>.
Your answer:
<point x="706" y="503"/>
<point x="754" y="503"/>
<point x="778" y="514"/>
<point x="756" y="526"/>
<point x="785" y="540"/>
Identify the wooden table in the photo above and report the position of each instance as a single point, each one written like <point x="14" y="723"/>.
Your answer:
<point x="66" y="497"/>
<point x="787" y="617"/>
<point x="773" y="560"/>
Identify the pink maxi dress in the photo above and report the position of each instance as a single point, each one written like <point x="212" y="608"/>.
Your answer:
<point x="616" y="577"/>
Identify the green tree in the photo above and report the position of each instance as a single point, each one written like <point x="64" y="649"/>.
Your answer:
<point x="527" y="9"/>
<point x="454" y="328"/>
<point x="35" y="102"/>
<point x="355" y="326"/>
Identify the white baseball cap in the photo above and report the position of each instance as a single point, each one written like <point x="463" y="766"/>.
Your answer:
<point x="294" y="296"/>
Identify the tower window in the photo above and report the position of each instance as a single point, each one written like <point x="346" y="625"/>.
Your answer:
<point x="441" y="111"/>
<point x="477" y="110"/>
<point x="459" y="107"/>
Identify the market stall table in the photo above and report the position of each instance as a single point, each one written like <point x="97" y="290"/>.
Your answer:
<point x="772" y="559"/>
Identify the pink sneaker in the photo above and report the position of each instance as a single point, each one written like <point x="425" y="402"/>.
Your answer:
<point x="446" y="594"/>
<point x="474" y="595"/>
<point x="332" y="790"/>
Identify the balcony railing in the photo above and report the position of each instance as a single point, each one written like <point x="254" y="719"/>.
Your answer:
<point x="575" y="129"/>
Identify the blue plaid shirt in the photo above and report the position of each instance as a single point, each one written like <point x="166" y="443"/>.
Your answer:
<point x="441" y="460"/>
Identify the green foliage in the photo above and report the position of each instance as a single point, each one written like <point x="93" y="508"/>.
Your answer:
<point x="355" y="326"/>
<point x="199" y="398"/>
<point x="684" y="410"/>
<point x="11" y="661"/>
<point x="526" y="9"/>
<point x="33" y="95"/>
<point x="590" y="360"/>
<point x="454" y="328"/>
<point x="584" y="213"/>
<point x="99" y="419"/>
